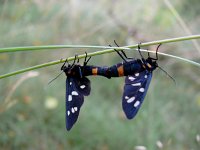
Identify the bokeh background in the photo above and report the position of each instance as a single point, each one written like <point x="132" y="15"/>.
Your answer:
<point x="32" y="113"/>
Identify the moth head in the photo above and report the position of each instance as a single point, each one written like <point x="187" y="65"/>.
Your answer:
<point x="66" y="69"/>
<point x="151" y="64"/>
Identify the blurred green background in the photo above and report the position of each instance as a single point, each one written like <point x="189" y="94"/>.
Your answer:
<point x="32" y="113"/>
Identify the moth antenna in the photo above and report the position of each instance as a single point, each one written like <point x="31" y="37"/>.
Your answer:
<point x="167" y="74"/>
<point x="55" y="77"/>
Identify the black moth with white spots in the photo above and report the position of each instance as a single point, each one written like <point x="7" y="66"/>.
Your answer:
<point x="77" y="86"/>
<point x="135" y="89"/>
<point x="138" y="74"/>
<point x="76" y="89"/>
<point x="138" y="77"/>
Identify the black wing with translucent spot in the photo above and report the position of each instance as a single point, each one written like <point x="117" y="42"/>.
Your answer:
<point x="76" y="89"/>
<point x="135" y="90"/>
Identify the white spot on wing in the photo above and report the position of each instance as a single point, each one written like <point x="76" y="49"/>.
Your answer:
<point x="69" y="98"/>
<point x="136" y="84"/>
<point x="75" y="108"/>
<point x="126" y="97"/>
<point x="74" y="93"/>
<point x="137" y="103"/>
<point x="145" y="76"/>
<point x="141" y="89"/>
<point x="130" y="100"/>
<point x="68" y="112"/>
<point x="131" y="78"/>
<point x="82" y="86"/>
<point x="73" y="111"/>
<point x="70" y="83"/>
<point x="137" y="74"/>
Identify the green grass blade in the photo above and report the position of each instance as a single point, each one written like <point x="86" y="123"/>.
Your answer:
<point x="109" y="50"/>
<point x="83" y="56"/>
<point x="51" y="47"/>
<point x="176" y="57"/>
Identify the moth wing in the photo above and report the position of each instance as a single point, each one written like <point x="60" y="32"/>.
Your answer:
<point x="74" y="101"/>
<point x="83" y="85"/>
<point x="135" y="90"/>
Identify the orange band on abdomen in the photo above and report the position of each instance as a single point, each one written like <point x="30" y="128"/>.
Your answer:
<point x="94" y="71"/>
<point x="120" y="70"/>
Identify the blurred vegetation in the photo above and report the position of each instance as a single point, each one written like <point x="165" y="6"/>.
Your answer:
<point x="34" y="117"/>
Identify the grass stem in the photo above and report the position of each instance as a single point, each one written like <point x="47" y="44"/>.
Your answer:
<point x="104" y="52"/>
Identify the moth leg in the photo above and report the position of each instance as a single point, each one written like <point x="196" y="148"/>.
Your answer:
<point x="156" y="53"/>
<point x="86" y="60"/>
<point x="63" y="66"/>
<point x="124" y="54"/>
<point x="119" y="54"/>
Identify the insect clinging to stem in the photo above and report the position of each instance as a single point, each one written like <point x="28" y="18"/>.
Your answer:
<point x="138" y="73"/>
<point x="77" y="86"/>
<point x="138" y="77"/>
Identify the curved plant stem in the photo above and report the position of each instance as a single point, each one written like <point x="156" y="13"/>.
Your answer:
<point x="83" y="56"/>
<point x="51" y="47"/>
<point x="176" y="57"/>
<point x="109" y="51"/>
<point x="167" y="41"/>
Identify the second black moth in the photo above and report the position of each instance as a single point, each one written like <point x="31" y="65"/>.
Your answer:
<point x="138" y="74"/>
